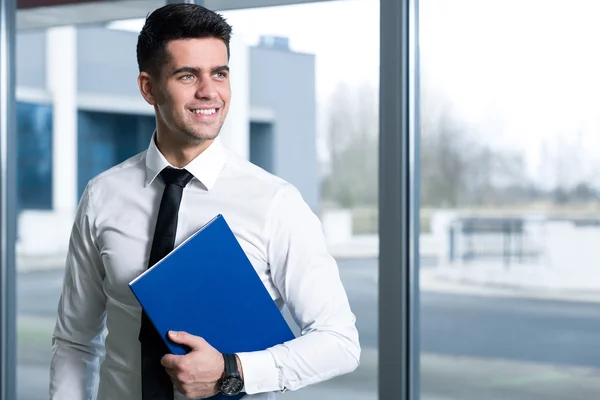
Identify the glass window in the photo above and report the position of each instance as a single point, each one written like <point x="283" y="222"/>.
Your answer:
<point x="509" y="199"/>
<point x="106" y="139"/>
<point x="311" y="118"/>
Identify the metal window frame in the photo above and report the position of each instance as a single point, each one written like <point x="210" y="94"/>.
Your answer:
<point x="8" y="206"/>
<point x="398" y="201"/>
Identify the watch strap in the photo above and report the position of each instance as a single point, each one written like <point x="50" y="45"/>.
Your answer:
<point x="231" y="367"/>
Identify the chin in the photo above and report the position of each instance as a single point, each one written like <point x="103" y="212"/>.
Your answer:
<point x="200" y="136"/>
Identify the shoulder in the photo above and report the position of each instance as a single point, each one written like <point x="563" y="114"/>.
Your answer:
<point x="256" y="177"/>
<point x="129" y="172"/>
<point x="277" y="195"/>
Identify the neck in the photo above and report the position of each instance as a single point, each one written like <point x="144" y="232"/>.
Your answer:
<point x="180" y="154"/>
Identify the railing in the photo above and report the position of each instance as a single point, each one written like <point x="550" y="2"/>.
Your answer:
<point x="476" y="239"/>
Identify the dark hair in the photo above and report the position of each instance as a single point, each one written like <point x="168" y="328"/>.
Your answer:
<point x="173" y="22"/>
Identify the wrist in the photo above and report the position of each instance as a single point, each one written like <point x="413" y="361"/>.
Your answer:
<point x="219" y="372"/>
<point x="231" y="382"/>
<point x="221" y="368"/>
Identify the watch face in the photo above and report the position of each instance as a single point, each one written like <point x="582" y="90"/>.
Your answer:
<point x="231" y="386"/>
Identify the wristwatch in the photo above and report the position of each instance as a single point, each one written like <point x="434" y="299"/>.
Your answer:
<point x="231" y="383"/>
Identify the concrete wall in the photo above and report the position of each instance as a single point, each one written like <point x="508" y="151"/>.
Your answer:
<point x="284" y="82"/>
<point x="107" y="62"/>
<point x="31" y="59"/>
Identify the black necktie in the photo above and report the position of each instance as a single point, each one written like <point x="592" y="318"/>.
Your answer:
<point x="156" y="383"/>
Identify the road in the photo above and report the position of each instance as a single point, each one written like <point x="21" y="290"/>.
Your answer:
<point x="494" y="341"/>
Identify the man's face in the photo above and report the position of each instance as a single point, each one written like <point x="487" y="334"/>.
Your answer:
<point x="191" y="96"/>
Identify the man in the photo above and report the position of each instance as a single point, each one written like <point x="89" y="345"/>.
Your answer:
<point x="183" y="54"/>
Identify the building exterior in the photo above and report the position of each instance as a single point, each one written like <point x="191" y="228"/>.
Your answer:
<point x="80" y="112"/>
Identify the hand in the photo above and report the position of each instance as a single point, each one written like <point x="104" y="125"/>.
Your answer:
<point x="195" y="374"/>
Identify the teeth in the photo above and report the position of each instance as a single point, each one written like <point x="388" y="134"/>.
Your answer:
<point x="205" y="112"/>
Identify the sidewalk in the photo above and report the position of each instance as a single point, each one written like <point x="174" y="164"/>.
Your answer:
<point x="535" y="282"/>
<point x="40" y="262"/>
<point x="484" y="278"/>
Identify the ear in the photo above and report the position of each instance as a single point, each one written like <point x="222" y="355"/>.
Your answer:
<point x="147" y="89"/>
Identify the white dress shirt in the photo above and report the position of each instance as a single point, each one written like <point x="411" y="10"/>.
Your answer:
<point x="110" y="245"/>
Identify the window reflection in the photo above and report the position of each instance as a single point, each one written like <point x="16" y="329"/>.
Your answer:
<point x="106" y="139"/>
<point x="34" y="156"/>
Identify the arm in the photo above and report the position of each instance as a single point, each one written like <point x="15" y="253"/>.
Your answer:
<point x="77" y="342"/>
<point x="308" y="279"/>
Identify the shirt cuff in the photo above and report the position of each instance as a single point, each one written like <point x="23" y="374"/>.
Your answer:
<point x="260" y="372"/>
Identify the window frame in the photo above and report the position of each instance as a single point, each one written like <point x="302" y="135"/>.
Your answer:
<point x="398" y="201"/>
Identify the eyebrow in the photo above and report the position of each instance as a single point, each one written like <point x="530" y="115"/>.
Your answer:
<point x="194" y="70"/>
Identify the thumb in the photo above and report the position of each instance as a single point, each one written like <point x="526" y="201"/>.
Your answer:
<point x="180" y="337"/>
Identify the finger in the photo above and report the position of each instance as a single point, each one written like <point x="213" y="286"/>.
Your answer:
<point x="178" y="377"/>
<point x="193" y="342"/>
<point x="170" y="361"/>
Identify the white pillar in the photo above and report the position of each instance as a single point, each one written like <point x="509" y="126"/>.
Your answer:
<point x="61" y="78"/>
<point x="235" y="133"/>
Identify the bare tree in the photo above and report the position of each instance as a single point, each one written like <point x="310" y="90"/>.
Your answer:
<point x="564" y="173"/>
<point x="352" y="143"/>
<point x="457" y="169"/>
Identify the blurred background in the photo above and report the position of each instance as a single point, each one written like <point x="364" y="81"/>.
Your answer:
<point x="509" y="176"/>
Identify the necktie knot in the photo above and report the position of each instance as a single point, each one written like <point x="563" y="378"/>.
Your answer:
<point x="173" y="176"/>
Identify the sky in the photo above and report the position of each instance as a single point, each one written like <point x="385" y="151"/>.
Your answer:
<point x="521" y="73"/>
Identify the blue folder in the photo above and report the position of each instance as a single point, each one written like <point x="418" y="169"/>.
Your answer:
<point x="207" y="287"/>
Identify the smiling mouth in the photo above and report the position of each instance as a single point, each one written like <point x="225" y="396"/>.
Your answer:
<point x="204" y="111"/>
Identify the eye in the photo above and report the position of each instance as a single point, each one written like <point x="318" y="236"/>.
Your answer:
<point x="186" y="77"/>
<point x="221" y="75"/>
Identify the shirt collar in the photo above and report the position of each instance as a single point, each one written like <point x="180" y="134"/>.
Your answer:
<point x="205" y="167"/>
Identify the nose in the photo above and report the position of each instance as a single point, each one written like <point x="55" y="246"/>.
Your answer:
<point x="206" y="89"/>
